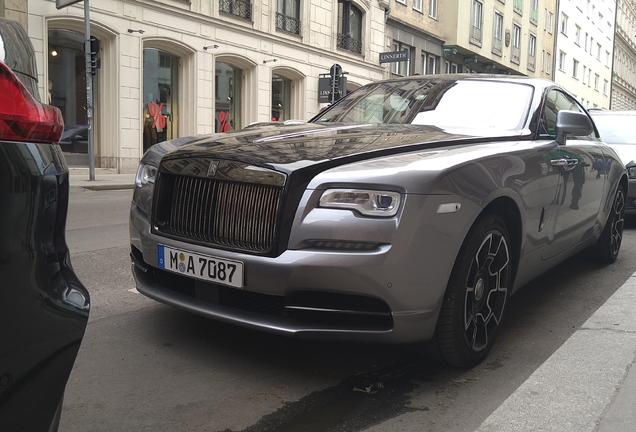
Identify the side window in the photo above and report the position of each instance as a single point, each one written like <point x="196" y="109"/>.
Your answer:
<point x="556" y="101"/>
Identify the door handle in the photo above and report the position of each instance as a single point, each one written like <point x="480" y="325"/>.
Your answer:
<point x="566" y="163"/>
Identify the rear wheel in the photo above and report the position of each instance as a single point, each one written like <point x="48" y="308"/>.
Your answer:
<point x="609" y="243"/>
<point x="476" y="295"/>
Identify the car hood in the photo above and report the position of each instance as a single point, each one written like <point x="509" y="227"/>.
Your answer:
<point x="290" y="148"/>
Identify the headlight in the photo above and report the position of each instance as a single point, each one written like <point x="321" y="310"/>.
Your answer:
<point x="145" y="174"/>
<point x="631" y="172"/>
<point x="366" y="202"/>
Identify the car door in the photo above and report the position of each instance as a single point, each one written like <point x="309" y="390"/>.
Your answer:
<point x="578" y="200"/>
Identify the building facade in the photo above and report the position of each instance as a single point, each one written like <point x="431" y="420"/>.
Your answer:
<point x="15" y="10"/>
<point x="624" y="70"/>
<point x="584" y="49"/>
<point x="463" y="36"/>
<point x="172" y="68"/>
<point x="549" y="39"/>
<point x="498" y="36"/>
<point x="415" y="26"/>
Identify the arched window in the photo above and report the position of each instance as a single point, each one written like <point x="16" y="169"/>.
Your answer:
<point x="288" y="94"/>
<point x="349" y="27"/>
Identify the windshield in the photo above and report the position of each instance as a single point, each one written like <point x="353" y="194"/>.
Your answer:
<point x="445" y="103"/>
<point x="616" y="129"/>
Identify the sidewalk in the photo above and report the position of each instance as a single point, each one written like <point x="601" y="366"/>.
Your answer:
<point x="105" y="179"/>
<point x="587" y="384"/>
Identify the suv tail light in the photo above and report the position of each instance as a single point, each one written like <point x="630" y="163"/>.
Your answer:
<point x="22" y="117"/>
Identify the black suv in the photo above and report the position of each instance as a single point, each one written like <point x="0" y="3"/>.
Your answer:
<point x="43" y="306"/>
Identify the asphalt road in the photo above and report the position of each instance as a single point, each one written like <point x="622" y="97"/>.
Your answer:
<point x="144" y="366"/>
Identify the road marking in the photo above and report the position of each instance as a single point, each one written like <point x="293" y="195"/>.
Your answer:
<point x="134" y="290"/>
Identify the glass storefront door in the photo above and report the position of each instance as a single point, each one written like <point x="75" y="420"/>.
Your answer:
<point x="227" y="92"/>
<point x="67" y="91"/>
<point x="160" y="110"/>
<point x="281" y="98"/>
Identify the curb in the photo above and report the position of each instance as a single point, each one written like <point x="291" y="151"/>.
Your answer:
<point x="585" y="385"/>
<point x="106" y="187"/>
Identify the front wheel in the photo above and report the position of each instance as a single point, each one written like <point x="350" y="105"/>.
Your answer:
<point x="609" y="243"/>
<point x="476" y="295"/>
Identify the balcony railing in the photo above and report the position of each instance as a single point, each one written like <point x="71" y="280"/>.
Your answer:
<point x="515" y="55"/>
<point x="237" y="8"/>
<point x="534" y="16"/>
<point x="475" y="34"/>
<point x="497" y="45"/>
<point x="531" y="62"/>
<point x="288" y="24"/>
<point x="350" y="44"/>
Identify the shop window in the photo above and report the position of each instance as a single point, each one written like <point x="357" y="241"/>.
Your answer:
<point x="160" y="86"/>
<point x="402" y="67"/>
<point x="227" y="98"/>
<point x="429" y="64"/>
<point x="281" y="98"/>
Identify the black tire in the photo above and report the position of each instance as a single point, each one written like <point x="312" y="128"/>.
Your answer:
<point x="606" y="248"/>
<point x="475" y="297"/>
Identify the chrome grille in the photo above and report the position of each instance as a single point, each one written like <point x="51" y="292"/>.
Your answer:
<point x="235" y="215"/>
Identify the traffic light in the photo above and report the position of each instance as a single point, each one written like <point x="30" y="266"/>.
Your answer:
<point x="96" y="62"/>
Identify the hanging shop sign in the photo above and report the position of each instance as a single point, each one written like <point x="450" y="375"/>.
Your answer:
<point x="332" y="86"/>
<point x="395" y="56"/>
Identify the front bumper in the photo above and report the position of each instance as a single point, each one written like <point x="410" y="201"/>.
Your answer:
<point x="385" y="295"/>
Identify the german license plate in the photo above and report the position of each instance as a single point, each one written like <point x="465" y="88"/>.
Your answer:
<point x="205" y="267"/>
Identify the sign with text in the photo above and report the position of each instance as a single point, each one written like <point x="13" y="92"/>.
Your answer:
<point x="395" y="56"/>
<point x="324" y="88"/>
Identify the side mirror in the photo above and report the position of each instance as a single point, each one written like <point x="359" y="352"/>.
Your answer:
<point x="572" y="123"/>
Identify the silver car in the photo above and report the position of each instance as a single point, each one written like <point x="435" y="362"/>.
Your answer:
<point x="406" y="212"/>
<point x="617" y="130"/>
